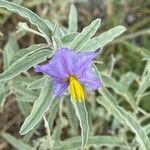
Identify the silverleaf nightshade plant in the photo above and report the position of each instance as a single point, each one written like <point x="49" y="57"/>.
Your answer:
<point x="72" y="69"/>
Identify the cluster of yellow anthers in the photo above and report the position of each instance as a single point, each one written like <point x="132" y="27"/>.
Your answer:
<point x="76" y="89"/>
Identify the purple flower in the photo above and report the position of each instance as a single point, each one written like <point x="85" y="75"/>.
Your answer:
<point x="73" y="69"/>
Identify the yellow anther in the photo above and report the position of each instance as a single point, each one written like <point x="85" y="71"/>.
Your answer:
<point x="76" y="89"/>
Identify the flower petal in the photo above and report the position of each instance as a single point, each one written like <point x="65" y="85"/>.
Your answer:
<point x="61" y="65"/>
<point x="68" y="59"/>
<point x="48" y="70"/>
<point x="57" y="66"/>
<point x="89" y="79"/>
<point x="59" y="88"/>
<point x="85" y="60"/>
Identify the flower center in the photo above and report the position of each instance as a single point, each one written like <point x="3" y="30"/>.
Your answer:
<point x="76" y="89"/>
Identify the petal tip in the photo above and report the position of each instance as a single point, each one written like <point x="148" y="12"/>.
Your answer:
<point x="37" y="68"/>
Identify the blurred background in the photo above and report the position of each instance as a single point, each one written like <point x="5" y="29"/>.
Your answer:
<point x="125" y="54"/>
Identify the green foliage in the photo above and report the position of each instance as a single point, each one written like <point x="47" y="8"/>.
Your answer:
<point x="119" y="89"/>
<point x="23" y="64"/>
<point x="39" y="108"/>
<point x="73" y="22"/>
<point x="141" y="136"/>
<point x="10" y="49"/>
<point x="26" y="52"/>
<point x="2" y="95"/>
<point x="37" y="84"/>
<point x="104" y="38"/>
<point x="29" y="15"/>
<point x="105" y="111"/>
<point x="123" y="116"/>
<point x="82" y="38"/>
<point x="145" y="81"/>
<point x="18" y="144"/>
<point x="97" y="141"/>
<point x="82" y="115"/>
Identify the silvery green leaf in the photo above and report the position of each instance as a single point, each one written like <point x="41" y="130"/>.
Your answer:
<point x="16" y="143"/>
<point x="127" y="79"/>
<point x="23" y="106"/>
<point x="73" y="120"/>
<point x="24" y="64"/>
<point x="26" y="79"/>
<point x="50" y="24"/>
<point x="3" y="93"/>
<point x="82" y="38"/>
<point x="52" y="113"/>
<point x="21" y="89"/>
<point x="118" y="88"/>
<point x="24" y="94"/>
<point x="61" y="32"/>
<point x="147" y="129"/>
<point x="37" y="84"/>
<point x="131" y="121"/>
<point x="96" y="141"/>
<point x="82" y="115"/>
<point x="10" y="49"/>
<point x="57" y="43"/>
<point x="42" y="104"/>
<point x="29" y="135"/>
<point x="144" y="84"/>
<point x="73" y="20"/>
<point x="27" y="99"/>
<point x="147" y="58"/>
<point x="27" y="14"/>
<point x="67" y="39"/>
<point x="109" y="102"/>
<point x="103" y="39"/>
<point x="23" y="53"/>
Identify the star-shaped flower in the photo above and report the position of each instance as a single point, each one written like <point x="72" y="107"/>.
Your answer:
<point x="71" y="69"/>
